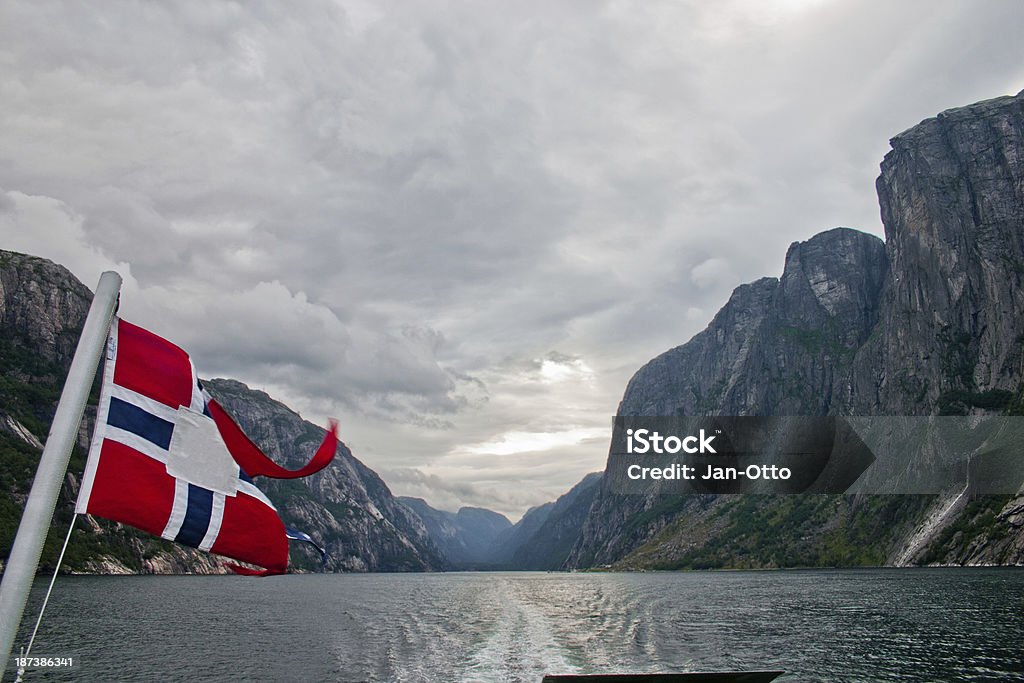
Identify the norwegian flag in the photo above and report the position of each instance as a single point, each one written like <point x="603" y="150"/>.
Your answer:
<point x="167" y="459"/>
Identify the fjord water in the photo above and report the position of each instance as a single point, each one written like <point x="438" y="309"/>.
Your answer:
<point x="818" y="625"/>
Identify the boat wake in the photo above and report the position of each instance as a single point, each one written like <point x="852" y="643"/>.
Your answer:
<point x="520" y="647"/>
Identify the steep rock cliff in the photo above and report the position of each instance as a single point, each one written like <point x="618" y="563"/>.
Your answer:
<point x="779" y="346"/>
<point x="951" y="336"/>
<point x="927" y="324"/>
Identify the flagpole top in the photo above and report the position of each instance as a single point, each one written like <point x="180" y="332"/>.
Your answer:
<point x="111" y="277"/>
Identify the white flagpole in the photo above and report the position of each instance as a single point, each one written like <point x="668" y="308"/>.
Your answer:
<point x="53" y="464"/>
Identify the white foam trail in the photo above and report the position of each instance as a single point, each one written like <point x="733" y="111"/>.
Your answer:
<point x="522" y="647"/>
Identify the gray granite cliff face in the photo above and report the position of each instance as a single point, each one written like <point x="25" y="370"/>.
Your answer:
<point x="779" y="346"/>
<point x="42" y="305"/>
<point x="42" y="310"/>
<point x="927" y="323"/>
<point x="951" y="193"/>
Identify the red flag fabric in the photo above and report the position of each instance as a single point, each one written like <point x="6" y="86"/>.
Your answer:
<point x="254" y="462"/>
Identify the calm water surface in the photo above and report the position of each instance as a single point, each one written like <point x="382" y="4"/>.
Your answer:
<point x="865" y="625"/>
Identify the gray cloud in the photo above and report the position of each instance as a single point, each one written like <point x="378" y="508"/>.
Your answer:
<point x="458" y="227"/>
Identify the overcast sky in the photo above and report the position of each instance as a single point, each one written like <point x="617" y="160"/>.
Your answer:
<point x="460" y="227"/>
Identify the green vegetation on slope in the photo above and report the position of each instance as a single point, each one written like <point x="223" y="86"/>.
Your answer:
<point x="762" y="531"/>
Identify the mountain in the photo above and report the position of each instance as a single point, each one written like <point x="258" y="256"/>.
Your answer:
<point x="468" y="538"/>
<point x="779" y="346"/>
<point x="549" y="543"/>
<point x="519" y="535"/>
<point x="347" y="507"/>
<point x="926" y="323"/>
<point x="545" y="534"/>
<point x="474" y="538"/>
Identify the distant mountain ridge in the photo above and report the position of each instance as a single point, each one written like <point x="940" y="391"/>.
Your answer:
<point x="474" y="538"/>
<point x="467" y="539"/>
